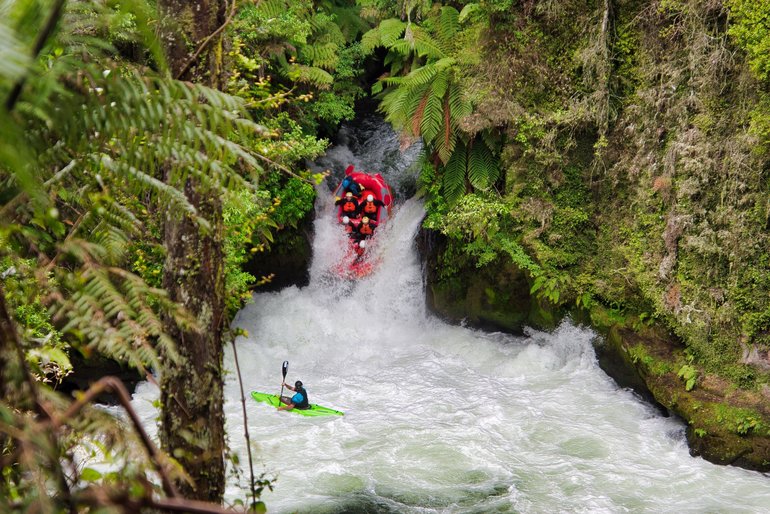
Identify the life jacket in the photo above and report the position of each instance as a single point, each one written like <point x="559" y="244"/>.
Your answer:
<point x="349" y="185"/>
<point x="348" y="228"/>
<point x="365" y="229"/>
<point x="304" y="404"/>
<point x="370" y="208"/>
<point x="349" y="206"/>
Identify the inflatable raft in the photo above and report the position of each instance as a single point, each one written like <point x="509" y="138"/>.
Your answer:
<point x="357" y="261"/>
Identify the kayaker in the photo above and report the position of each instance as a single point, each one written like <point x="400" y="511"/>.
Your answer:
<point x="298" y="401"/>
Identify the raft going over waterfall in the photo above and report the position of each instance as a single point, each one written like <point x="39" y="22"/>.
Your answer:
<point x="364" y="203"/>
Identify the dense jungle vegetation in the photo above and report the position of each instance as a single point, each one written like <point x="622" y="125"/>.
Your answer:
<point x="614" y="152"/>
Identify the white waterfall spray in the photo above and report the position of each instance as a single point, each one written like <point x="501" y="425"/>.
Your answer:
<point x="444" y="419"/>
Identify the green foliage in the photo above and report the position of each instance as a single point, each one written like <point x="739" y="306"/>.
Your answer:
<point x="740" y="420"/>
<point x="750" y="26"/>
<point x="423" y="96"/>
<point x="689" y="374"/>
<point x="293" y="199"/>
<point x="92" y="152"/>
<point x="47" y="352"/>
<point x="299" y="50"/>
<point x="550" y="286"/>
<point x="242" y="216"/>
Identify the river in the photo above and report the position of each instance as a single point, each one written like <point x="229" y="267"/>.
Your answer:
<point x="441" y="418"/>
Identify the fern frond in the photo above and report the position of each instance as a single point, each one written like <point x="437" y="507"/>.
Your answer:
<point x="167" y="192"/>
<point x="310" y="75"/>
<point x="13" y="57"/>
<point x="457" y="104"/>
<point x="445" y="143"/>
<point x="417" y="116"/>
<point x="370" y="41"/>
<point x="426" y="46"/>
<point x="324" y="55"/>
<point x="432" y="118"/>
<point x="454" y="175"/>
<point x="420" y="77"/>
<point x="448" y="26"/>
<point x="391" y="31"/>
<point x="349" y="21"/>
<point x="483" y="169"/>
<point x="272" y="8"/>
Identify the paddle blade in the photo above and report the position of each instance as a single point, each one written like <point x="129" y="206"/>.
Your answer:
<point x="285" y="368"/>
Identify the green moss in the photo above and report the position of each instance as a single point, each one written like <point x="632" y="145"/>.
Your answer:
<point x="741" y="421"/>
<point x="642" y="358"/>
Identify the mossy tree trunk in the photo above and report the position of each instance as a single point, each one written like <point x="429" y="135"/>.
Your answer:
<point x="192" y="418"/>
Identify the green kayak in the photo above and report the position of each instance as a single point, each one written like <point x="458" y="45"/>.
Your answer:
<point x="314" y="410"/>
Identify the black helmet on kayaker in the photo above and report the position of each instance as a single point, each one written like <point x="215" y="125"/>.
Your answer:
<point x="298" y="383"/>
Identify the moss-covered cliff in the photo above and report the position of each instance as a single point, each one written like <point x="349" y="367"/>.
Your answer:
<point x="635" y="188"/>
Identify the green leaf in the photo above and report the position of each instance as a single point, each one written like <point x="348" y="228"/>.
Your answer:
<point x="90" y="475"/>
<point x="454" y="175"/>
<point x="468" y="11"/>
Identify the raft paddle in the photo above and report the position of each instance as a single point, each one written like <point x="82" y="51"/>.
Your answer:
<point x="284" y="369"/>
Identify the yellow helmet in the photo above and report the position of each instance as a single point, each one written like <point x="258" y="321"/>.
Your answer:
<point x="348" y="194"/>
<point x="365" y="219"/>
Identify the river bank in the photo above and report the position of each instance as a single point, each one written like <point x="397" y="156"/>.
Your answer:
<point x="726" y="424"/>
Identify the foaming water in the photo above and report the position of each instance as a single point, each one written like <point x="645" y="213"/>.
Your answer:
<point x="445" y="419"/>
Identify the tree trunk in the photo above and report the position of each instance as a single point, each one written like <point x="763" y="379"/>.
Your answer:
<point x="192" y="416"/>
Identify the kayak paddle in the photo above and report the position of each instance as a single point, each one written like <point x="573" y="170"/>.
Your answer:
<point x="284" y="369"/>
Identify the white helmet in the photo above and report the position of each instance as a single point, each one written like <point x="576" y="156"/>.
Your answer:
<point x="345" y="219"/>
<point x="370" y="198"/>
<point x="362" y="244"/>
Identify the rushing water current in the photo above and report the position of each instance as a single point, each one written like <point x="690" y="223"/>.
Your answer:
<point x="441" y="418"/>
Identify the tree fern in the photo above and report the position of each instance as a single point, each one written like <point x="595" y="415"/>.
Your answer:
<point x="454" y="174"/>
<point x="273" y="8"/>
<point x="95" y="142"/>
<point x="86" y="138"/>
<point x="310" y="75"/>
<point x="432" y="116"/>
<point x="424" y="96"/>
<point x="448" y="26"/>
<point x="483" y="169"/>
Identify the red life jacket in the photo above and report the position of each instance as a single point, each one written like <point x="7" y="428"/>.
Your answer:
<point x="370" y="208"/>
<point x="365" y="229"/>
<point x="349" y="206"/>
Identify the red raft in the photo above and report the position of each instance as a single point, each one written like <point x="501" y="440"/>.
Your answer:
<point x="374" y="199"/>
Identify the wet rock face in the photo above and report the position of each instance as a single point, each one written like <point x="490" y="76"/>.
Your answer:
<point x="86" y="371"/>
<point x="759" y="357"/>
<point x="288" y="261"/>
<point x="488" y="299"/>
<point x="725" y="424"/>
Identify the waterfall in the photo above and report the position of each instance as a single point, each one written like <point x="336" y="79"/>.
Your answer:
<point x="441" y="418"/>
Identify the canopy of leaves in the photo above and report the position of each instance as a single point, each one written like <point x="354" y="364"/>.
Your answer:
<point x="92" y="147"/>
<point x="424" y="94"/>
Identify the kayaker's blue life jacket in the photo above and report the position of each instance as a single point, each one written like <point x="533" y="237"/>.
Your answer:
<point x="300" y="399"/>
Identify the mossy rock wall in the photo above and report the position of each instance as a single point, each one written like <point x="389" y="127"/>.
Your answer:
<point x="288" y="260"/>
<point x="725" y="424"/>
<point x="490" y="298"/>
